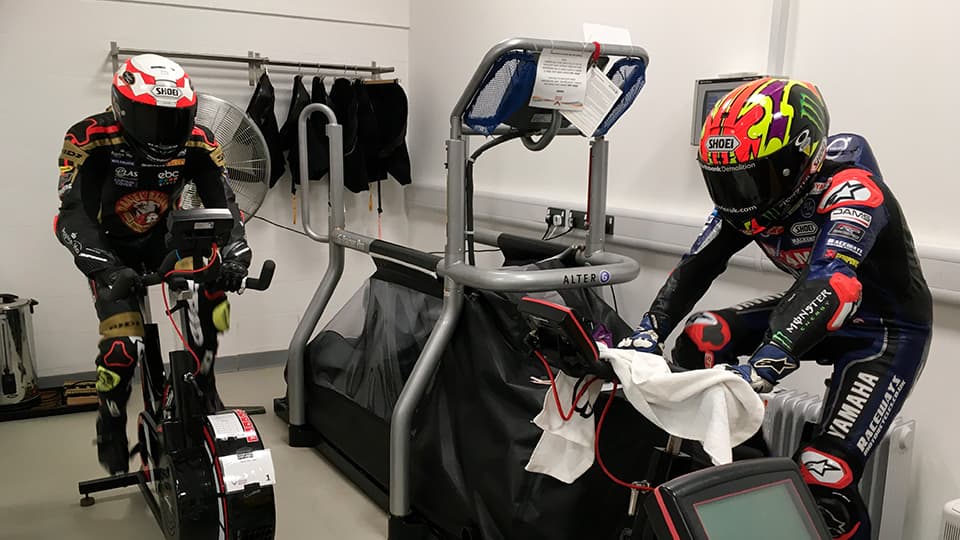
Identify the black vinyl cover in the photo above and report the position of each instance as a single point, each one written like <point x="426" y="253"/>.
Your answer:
<point x="473" y="433"/>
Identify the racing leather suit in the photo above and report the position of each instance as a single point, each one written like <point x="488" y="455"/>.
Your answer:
<point x="859" y="303"/>
<point x="112" y="215"/>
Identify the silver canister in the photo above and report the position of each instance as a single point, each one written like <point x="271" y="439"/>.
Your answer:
<point x="18" y="372"/>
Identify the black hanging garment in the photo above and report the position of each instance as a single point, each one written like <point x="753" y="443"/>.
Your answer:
<point x="319" y="152"/>
<point x="299" y="99"/>
<point x="344" y="102"/>
<point x="261" y="111"/>
<point x="388" y="103"/>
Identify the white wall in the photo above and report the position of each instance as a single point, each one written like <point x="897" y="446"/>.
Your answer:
<point x="650" y="144"/>
<point x="888" y="71"/>
<point x="903" y="54"/>
<point x="54" y="57"/>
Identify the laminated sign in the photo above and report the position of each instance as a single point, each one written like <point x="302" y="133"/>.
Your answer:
<point x="561" y="80"/>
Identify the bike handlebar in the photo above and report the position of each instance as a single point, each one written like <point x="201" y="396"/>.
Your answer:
<point x="125" y="284"/>
<point x="262" y="282"/>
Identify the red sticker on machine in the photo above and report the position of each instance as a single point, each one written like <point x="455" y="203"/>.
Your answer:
<point x="249" y="431"/>
<point x="233" y="425"/>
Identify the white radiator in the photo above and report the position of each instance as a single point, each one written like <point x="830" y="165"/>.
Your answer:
<point x="950" y="524"/>
<point x="886" y="478"/>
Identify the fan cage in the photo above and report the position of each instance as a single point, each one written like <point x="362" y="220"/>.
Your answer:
<point x="245" y="154"/>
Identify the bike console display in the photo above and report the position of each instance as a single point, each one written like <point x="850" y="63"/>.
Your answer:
<point x="754" y="499"/>
<point x="562" y="338"/>
<point x="195" y="229"/>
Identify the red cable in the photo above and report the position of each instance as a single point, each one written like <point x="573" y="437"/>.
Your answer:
<point x="556" y="394"/>
<point x="166" y="304"/>
<point x="596" y="446"/>
<point x="603" y="416"/>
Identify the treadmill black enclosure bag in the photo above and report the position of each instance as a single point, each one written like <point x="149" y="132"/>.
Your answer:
<point x="473" y="432"/>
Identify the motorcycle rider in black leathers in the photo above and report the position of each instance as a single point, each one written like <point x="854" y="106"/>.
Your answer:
<point x="818" y="207"/>
<point x="121" y="172"/>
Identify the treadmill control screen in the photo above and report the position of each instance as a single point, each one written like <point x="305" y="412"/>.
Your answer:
<point x="755" y="514"/>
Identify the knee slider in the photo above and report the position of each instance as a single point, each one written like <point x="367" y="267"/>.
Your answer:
<point x="704" y="334"/>
<point x="117" y="362"/>
<point x="121" y="353"/>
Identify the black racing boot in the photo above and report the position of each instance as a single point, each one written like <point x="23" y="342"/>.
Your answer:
<point x="113" y="450"/>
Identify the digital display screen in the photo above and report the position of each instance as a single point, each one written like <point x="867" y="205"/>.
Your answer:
<point x="771" y="511"/>
<point x="710" y="98"/>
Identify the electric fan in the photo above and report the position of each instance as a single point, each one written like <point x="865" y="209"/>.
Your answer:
<point x="244" y="152"/>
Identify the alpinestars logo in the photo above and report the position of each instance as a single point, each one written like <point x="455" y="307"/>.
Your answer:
<point x="851" y="187"/>
<point x="848" y="191"/>
<point x="778" y="365"/>
<point x="822" y="467"/>
<point x="835" y="526"/>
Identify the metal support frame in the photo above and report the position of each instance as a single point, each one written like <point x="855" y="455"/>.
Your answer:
<point x="779" y="29"/>
<point x="597" y="209"/>
<point x="255" y="62"/>
<point x="597" y="268"/>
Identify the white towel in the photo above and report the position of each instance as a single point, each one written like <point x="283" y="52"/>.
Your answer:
<point x="565" y="450"/>
<point x="715" y="407"/>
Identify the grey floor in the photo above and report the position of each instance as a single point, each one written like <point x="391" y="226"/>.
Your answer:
<point x="43" y="459"/>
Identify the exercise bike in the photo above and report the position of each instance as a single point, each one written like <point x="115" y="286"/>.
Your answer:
<point x="205" y="473"/>
<point x="680" y="498"/>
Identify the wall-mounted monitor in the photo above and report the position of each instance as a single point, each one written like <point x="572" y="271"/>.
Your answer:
<point x="707" y="92"/>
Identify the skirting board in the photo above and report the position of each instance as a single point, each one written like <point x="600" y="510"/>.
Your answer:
<point x="226" y="364"/>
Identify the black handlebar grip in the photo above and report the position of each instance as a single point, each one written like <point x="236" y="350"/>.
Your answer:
<point x="262" y="282"/>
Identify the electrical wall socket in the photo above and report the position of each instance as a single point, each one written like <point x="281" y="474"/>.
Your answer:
<point x="579" y="221"/>
<point x="559" y="217"/>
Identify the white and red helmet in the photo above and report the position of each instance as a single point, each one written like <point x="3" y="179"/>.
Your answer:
<point x="155" y="104"/>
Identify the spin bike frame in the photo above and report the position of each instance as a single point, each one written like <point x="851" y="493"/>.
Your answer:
<point x="602" y="268"/>
<point x="177" y="435"/>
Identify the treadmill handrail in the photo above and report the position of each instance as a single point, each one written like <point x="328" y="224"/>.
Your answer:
<point x="335" y="143"/>
<point x="613" y="269"/>
<point x="530" y="44"/>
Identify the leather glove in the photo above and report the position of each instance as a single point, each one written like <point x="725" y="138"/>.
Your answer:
<point x="644" y="338"/>
<point x="232" y="275"/>
<point x="749" y="374"/>
<point x="766" y="367"/>
<point x="235" y="266"/>
<point x="121" y="280"/>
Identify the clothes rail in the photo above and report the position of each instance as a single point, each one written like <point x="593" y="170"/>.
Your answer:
<point x="255" y="62"/>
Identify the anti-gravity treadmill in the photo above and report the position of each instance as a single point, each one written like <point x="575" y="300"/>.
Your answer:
<point x="421" y="389"/>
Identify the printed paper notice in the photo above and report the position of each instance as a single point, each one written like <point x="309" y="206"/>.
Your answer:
<point x="600" y="97"/>
<point x="561" y="80"/>
<point x="241" y="470"/>
<point x="226" y="426"/>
